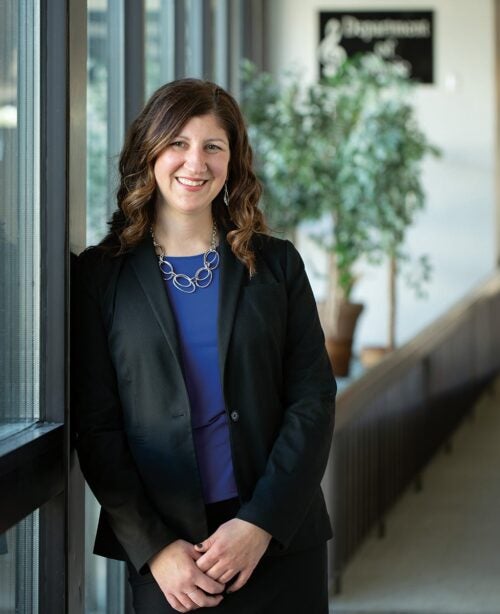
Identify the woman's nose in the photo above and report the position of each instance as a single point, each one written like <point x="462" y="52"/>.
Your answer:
<point x="195" y="160"/>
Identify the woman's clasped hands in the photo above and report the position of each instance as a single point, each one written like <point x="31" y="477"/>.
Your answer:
<point x="192" y="577"/>
<point x="184" y="585"/>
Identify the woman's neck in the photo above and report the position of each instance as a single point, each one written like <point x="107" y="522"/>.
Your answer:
<point x="184" y="236"/>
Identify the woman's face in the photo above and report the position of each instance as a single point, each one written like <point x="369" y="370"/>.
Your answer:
<point x="192" y="169"/>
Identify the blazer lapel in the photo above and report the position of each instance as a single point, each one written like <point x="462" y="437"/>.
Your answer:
<point x="231" y="278"/>
<point x="145" y="264"/>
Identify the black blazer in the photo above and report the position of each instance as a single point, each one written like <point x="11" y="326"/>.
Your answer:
<point x="132" y="414"/>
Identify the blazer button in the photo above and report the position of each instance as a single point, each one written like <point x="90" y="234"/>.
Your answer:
<point x="235" y="416"/>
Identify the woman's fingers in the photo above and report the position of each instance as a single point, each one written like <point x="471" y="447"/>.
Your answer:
<point x="186" y="602"/>
<point x="209" y="585"/>
<point x="192" y="600"/>
<point x="221" y="572"/>
<point x="177" y="575"/>
<point x="208" y="560"/>
<point x="226" y="576"/>
<point x="216" y="571"/>
<point x="236" y="545"/>
<point x="203" y="600"/>
<point x="175" y="603"/>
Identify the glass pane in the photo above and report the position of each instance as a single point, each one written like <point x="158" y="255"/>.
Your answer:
<point x="19" y="214"/>
<point x="220" y="41"/>
<point x="160" y="44"/>
<point x="104" y="580"/>
<point x="197" y="43"/>
<point x="19" y="567"/>
<point x="105" y="111"/>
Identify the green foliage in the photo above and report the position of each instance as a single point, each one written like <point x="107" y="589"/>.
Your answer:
<point x="349" y="147"/>
<point x="281" y="139"/>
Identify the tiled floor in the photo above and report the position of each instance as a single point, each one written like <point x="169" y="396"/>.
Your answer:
<point x="441" y="554"/>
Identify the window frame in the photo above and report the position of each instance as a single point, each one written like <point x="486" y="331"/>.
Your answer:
<point x="37" y="465"/>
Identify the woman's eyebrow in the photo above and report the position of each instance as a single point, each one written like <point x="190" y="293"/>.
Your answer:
<point x="210" y="138"/>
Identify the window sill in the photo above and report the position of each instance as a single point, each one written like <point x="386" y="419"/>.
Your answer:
<point x="10" y="429"/>
<point x="31" y="470"/>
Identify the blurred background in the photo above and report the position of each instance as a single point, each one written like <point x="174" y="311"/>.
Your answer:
<point x="375" y="131"/>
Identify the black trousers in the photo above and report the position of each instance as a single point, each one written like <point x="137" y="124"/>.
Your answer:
<point x="294" y="583"/>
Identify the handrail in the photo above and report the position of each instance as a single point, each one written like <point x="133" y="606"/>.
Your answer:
<point x="392" y="419"/>
<point x="415" y="350"/>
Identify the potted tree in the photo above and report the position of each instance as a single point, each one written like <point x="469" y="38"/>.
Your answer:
<point x="393" y="150"/>
<point x="324" y="151"/>
<point x="290" y="129"/>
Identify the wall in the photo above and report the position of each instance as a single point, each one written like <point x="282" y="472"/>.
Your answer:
<point x="457" y="112"/>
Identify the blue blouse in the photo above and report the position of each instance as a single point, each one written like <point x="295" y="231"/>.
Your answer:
<point x="196" y="315"/>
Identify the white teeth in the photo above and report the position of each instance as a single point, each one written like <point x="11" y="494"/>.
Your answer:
<point x="185" y="181"/>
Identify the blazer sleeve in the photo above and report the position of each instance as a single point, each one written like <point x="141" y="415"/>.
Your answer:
<point x="100" y="439"/>
<point x="300" y="452"/>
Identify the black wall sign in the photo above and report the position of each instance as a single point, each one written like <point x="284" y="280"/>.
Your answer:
<point x="401" y="35"/>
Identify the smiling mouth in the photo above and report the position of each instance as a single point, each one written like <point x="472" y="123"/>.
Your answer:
<point x="193" y="183"/>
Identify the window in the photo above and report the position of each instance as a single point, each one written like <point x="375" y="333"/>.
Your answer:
<point x="104" y="581"/>
<point x="189" y="38"/>
<point x="19" y="215"/>
<point x="159" y="44"/>
<point x="34" y="169"/>
<point x="105" y="111"/>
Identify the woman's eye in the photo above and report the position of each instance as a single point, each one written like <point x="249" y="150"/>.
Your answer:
<point x="177" y="144"/>
<point x="213" y="147"/>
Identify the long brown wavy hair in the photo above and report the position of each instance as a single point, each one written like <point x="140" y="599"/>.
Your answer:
<point x="161" y="120"/>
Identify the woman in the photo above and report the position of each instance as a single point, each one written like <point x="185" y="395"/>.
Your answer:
<point x="204" y="398"/>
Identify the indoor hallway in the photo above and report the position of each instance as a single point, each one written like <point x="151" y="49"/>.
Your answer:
<point x="441" y="552"/>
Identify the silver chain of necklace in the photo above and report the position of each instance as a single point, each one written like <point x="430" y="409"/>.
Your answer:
<point x="203" y="276"/>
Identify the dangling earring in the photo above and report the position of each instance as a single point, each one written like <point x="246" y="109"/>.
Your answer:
<point x="226" y="195"/>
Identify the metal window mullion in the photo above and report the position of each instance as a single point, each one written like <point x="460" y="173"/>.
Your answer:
<point x="167" y="40"/>
<point x="195" y="36"/>
<point x="253" y="32"/>
<point x="133" y="51"/>
<point x="235" y="45"/>
<point x="63" y="151"/>
<point x="28" y="230"/>
<point x="74" y="543"/>
<point x="208" y="42"/>
<point x="116" y="94"/>
<point x="179" y="39"/>
<point x="37" y="247"/>
<point x="221" y="43"/>
<point x="247" y="29"/>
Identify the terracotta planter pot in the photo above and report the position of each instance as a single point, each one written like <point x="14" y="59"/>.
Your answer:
<point x="339" y="348"/>
<point x="340" y="355"/>
<point x="348" y="314"/>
